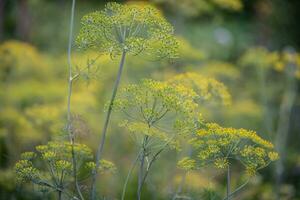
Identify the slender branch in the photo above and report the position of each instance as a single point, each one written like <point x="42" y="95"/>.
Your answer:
<point x="141" y="170"/>
<point x="141" y="175"/>
<point x="238" y="189"/>
<point x="103" y="136"/>
<point x="153" y="159"/>
<point x="128" y="175"/>
<point x="69" y="117"/>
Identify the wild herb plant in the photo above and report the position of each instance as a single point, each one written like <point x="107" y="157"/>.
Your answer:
<point x="209" y="92"/>
<point x="64" y="160"/>
<point x="223" y="147"/>
<point x="119" y="30"/>
<point x="158" y="115"/>
<point x="51" y="167"/>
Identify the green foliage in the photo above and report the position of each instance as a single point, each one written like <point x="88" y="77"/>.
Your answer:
<point x="136" y="29"/>
<point x="222" y="146"/>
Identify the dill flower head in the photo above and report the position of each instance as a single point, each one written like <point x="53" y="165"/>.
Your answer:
<point x="220" y="146"/>
<point x="39" y="167"/>
<point x="136" y="29"/>
<point x="159" y="110"/>
<point x="207" y="89"/>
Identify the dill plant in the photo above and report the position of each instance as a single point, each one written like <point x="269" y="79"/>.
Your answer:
<point x="121" y="30"/>
<point x="209" y="92"/>
<point x="223" y="147"/>
<point x="158" y="115"/>
<point x="51" y="167"/>
<point x="63" y="161"/>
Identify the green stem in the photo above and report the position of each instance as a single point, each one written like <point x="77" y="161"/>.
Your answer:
<point x="128" y="176"/>
<point x="141" y="175"/>
<point x="59" y="195"/>
<point x="283" y="128"/>
<point x="228" y="183"/>
<point x="104" y="130"/>
<point x="70" y="84"/>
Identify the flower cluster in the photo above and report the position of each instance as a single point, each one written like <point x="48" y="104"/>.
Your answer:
<point x="155" y="107"/>
<point x="207" y="89"/>
<point x="52" y="165"/>
<point x="221" y="146"/>
<point x="128" y="28"/>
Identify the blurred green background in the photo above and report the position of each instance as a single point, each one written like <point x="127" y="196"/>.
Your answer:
<point x="218" y="38"/>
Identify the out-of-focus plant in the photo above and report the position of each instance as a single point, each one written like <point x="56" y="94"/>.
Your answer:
<point x="20" y="60"/>
<point x="287" y="63"/>
<point x="50" y="167"/>
<point x="208" y="89"/>
<point x="222" y="147"/>
<point x="158" y="114"/>
<point x="194" y="8"/>
<point x="121" y="30"/>
<point x="222" y="71"/>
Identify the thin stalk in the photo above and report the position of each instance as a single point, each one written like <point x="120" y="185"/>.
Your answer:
<point x="104" y="130"/>
<point x="238" y="189"/>
<point x="141" y="175"/>
<point x="283" y="128"/>
<point x="228" y="183"/>
<point x="128" y="176"/>
<point x="267" y="117"/>
<point x="69" y="116"/>
<point x="179" y="189"/>
<point x="183" y="179"/>
<point x="144" y="175"/>
<point x="59" y="195"/>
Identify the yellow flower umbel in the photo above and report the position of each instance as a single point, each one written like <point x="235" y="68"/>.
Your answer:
<point x="148" y="104"/>
<point x="207" y="89"/>
<point x="221" y="146"/>
<point x="133" y="28"/>
<point x="51" y="166"/>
